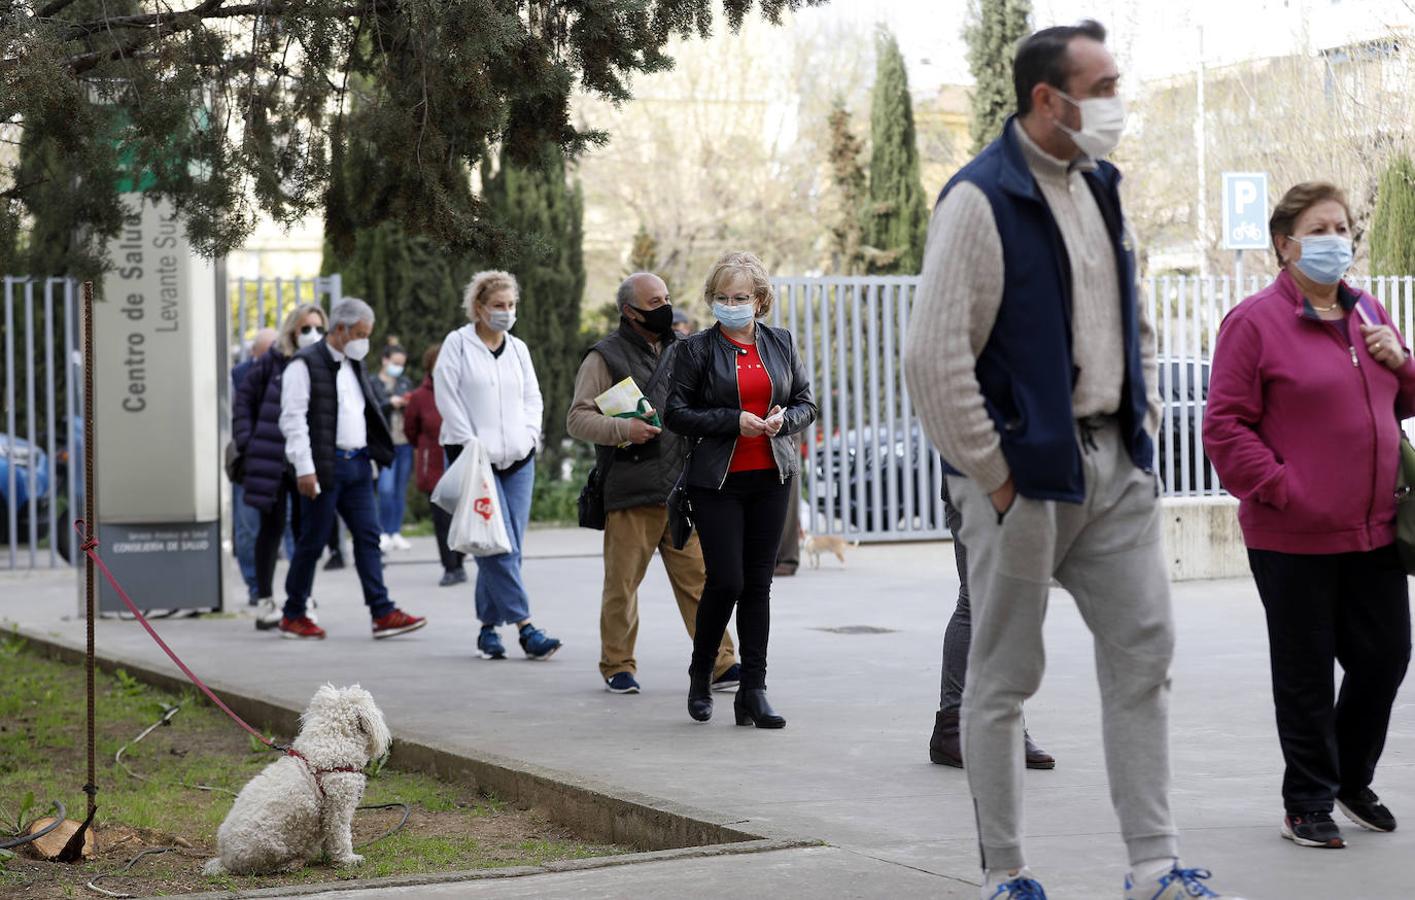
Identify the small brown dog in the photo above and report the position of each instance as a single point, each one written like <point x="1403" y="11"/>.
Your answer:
<point x="815" y="544"/>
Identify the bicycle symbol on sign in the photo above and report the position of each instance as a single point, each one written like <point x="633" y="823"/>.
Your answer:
<point x="1248" y="231"/>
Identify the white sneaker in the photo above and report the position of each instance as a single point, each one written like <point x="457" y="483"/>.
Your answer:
<point x="1176" y="884"/>
<point x="268" y="615"/>
<point x="384" y="543"/>
<point x="399" y="542"/>
<point x="1004" y="886"/>
<point x="311" y="608"/>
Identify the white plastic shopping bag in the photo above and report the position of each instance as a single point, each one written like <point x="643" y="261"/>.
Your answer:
<point x="477" y="524"/>
<point x="449" y="486"/>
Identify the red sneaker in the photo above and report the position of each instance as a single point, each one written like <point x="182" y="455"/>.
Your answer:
<point x="301" y="629"/>
<point x="395" y="623"/>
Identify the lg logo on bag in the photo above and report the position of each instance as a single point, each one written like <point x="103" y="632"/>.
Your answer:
<point x="483" y="505"/>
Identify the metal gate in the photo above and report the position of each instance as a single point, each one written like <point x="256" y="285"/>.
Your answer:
<point x="43" y="422"/>
<point x="870" y="473"/>
<point x="257" y="303"/>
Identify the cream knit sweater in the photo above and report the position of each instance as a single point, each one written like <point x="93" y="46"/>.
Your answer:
<point x="958" y="301"/>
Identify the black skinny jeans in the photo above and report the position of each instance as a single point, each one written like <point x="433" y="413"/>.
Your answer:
<point x="1351" y="608"/>
<point x="739" y="527"/>
<point x="272" y="530"/>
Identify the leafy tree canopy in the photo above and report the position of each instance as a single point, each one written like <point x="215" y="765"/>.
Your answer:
<point x="229" y="108"/>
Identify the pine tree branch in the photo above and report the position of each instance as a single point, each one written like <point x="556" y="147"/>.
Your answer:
<point x="53" y="9"/>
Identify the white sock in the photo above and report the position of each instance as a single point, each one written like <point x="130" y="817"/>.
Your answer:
<point x="994" y="877"/>
<point x="1152" y="869"/>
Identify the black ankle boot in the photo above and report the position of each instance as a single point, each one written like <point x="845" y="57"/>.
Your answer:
<point x="752" y="708"/>
<point x="700" y="696"/>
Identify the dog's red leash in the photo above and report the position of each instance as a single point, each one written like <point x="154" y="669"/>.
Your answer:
<point x="90" y="548"/>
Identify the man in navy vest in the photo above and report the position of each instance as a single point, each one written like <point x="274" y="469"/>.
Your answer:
<point x="1033" y="369"/>
<point x="334" y="434"/>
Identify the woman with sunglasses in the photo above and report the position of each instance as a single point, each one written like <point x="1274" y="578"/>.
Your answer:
<point x="269" y="480"/>
<point x="741" y="396"/>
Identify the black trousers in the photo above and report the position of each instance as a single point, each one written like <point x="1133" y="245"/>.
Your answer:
<point x="739" y="527"/>
<point x="1348" y="608"/>
<point x="442" y="523"/>
<point x="272" y="531"/>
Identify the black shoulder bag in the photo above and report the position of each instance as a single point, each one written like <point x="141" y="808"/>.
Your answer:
<point x="591" y="501"/>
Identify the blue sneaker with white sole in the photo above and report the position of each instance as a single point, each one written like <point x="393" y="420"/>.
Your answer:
<point x="621" y="683"/>
<point x="1023" y="887"/>
<point x="489" y="644"/>
<point x="1176" y="884"/>
<point x="729" y="680"/>
<point x="537" y="644"/>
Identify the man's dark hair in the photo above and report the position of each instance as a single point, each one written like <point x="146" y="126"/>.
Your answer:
<point x="1042" y="58"/>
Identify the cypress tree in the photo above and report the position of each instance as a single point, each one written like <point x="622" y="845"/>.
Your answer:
<point x="539" y="202"/>
<point x="847" y="178"/>
<point x="1393" y="226"/>
<point x="895" y="220"/>
<point x="994" y="28"/>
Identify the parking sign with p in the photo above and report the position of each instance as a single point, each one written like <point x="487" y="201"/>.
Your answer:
<point x="1245" y="210"/>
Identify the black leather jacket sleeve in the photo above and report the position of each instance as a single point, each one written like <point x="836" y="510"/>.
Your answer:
<point x="686" y="411"/>
<point x="801" y="411"/>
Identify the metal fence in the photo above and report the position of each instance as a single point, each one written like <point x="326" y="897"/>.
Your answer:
<point x="43" y="422"/>
<point x="258" y="303"/>
<point x="870" y="472"/>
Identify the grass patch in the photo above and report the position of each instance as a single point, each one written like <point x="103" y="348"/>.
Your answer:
<point x="42" y="757"/>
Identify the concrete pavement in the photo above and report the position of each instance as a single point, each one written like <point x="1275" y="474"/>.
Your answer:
<point x="851" y="768"/>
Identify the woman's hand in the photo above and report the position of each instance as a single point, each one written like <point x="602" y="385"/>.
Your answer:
<point x="752" y="425"/>
<point x="775" y="418"/>
<point x="1384" y="345"/>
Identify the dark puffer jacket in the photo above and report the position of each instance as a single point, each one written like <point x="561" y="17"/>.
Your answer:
<point x="256" y="429"/>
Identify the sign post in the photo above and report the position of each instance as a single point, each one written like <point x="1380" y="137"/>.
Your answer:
<point x="1245" y="214"/>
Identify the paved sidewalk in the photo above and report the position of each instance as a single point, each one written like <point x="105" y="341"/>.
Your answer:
<point x="851" y="768"/>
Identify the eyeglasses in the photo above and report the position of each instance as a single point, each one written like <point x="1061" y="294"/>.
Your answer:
<point x="734" y="300"/>
<point x="306" y="329"/>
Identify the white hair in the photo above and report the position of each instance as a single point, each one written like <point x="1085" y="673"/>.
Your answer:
<point x="349" y="312"/>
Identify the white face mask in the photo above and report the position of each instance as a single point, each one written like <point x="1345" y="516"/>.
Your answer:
<point x="306" y="339"/>
<point x="356" y="349"/>
<point x="500" y="319"/>
<point x="1102" y="123"/>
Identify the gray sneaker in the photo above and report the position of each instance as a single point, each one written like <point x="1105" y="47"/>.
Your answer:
<point x="268" y="615"/>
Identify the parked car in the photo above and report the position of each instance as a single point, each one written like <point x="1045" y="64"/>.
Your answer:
<point x="854" y="457"/>
<point x="1184" y="386"/>
<point x="25" y="458"/>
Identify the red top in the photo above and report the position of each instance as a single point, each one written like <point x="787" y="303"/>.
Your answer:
<point x="754" y="393"/>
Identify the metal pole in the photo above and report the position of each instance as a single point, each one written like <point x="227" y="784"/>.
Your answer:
<point x="91" y="527"/>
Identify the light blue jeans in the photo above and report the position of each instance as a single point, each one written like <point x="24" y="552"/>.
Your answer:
<point x="501" y="594"/>
<point x="393" y="490"/>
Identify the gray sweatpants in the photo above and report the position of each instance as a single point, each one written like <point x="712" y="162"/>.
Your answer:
<point x="1108" y="554"/>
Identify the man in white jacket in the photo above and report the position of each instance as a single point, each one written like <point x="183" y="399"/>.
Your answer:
<point x="487" y="391"/>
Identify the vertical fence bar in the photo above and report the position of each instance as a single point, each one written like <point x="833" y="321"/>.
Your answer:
<point x="12" y="508"/>
<point x="817" y="446"/>
<point x="1167" y="379"/>
<point x="49" y="423"/>
<point x="834" y="449"/>
<point x="1194" y="363"/>
<point x="241" y="312"/>
<point x="33" y="468"/>
<point x="855" y="410"/>
<point x="893" y="368"/>
<point x="849" y="466"/>
<point x="883" y="443"/>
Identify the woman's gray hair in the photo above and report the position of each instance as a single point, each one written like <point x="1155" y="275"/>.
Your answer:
<point x="483" y="285"/>
<point x="289" y="340"/>
<point x="349" y="312"/>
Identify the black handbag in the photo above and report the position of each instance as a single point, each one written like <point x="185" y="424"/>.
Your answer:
<point x="235" y="463"/>
<point x="592" y="501"/>
<point x="680" y="508"/>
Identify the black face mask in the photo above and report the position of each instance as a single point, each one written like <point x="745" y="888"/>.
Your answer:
<point x="658" y="321"/>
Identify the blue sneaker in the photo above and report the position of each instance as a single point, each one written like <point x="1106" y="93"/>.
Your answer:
<point x="1176" y="884"/>
<point x="728" y="680"/>
<point x="536" y="643"/>
<point x="489" y="644"/>
<point x="621" y="683"/>
<point x="1023" y="887"/>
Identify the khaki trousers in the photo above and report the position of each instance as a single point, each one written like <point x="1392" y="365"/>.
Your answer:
<point x="630" y="538"/>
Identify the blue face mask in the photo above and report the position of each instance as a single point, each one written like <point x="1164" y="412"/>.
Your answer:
<point x="734" y="317"/>
<point x="1325" y="257"/>
<point x="394" y="370"/>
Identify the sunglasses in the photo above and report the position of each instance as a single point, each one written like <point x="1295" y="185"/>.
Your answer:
<point x="306" y="329"/>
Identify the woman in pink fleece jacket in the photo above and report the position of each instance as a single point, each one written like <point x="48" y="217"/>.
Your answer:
<point x="1309" y="384"/>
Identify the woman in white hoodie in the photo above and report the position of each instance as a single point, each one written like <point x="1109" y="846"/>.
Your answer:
<point x="486" y="389"/>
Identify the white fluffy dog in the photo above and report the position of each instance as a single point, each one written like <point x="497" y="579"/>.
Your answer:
<point x="304" y="802"/>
